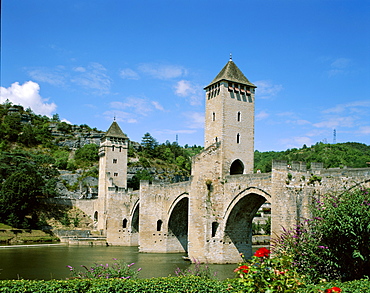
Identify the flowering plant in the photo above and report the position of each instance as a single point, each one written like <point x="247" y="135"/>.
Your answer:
<point x="116" y="270"/>
<point x="265" y="274"/>
<point x="333" y="289"/>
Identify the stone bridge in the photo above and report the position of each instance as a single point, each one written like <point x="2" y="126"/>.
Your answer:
<point x="210" y="216"/>
<point x="211" y="219"/>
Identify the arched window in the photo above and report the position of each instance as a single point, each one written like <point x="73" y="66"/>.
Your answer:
<point x="214" y="228"/>
<point x="159" y="225"/>
<point x="238" y="138"/>
<point x="213" y="116"/>
<point x="237" y="167"/>
<point x="96" y="216"/>
<point x="124" y="223"/>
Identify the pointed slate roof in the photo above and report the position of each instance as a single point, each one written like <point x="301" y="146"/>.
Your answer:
<point x="115" y="131"/>
<point x="232" y="73"/>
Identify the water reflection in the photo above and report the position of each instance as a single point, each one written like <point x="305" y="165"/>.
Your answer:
<point x="49" y="262"/>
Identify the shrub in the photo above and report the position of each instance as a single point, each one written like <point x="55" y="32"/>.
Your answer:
<point x="265" y="274"/>
<point x="335" y="243"/>
<point x="116" y="270"/>
<point x="198" y="269"/>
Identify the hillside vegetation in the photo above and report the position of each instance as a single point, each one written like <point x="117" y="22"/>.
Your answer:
<point x="35" y="149"/>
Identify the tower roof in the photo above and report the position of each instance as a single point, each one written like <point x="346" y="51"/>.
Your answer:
<point x="232" y="73"/>
<point x="115" y="131"/>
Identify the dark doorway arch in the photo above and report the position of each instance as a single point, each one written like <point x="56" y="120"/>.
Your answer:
<point x="237" y="167"/>
<point x="178" y="222"/>
<point x="238" y="228"/>
<point x="135" y="220"/>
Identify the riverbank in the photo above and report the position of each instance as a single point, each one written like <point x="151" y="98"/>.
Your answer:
<point x="9" y="235"/>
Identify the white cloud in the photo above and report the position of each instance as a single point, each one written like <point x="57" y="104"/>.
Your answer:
<point x="334" y="122"/>
<point x="364" y="130"/>
<point x="128" y="73"/>
<point x="184" y="88"/>
<point x="157" y="106"/>
<point x="262" y="115"/>
<point x="340" y="63"/>
<point x="66" y="121"/>
<point x="194" y="120"/>
<point x="28" y="96"/>
<point x="80" y="69"/>
<point x="353" y="107"/>
<point x="296" y="142"/>
<point x="94" y="77"/>
<point x="161" y="71"/>
<point x="54" y="77"/>
<point x="120" y="116"/>
<point x="137" y="105"/>
<point x="266" y="90"/>
<point x="339" y="66"/>
<point x="194" y="93"/>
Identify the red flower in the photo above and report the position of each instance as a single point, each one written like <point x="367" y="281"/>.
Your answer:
<point x="334" y="289"/>
<point x="262" y="252"/>
<point x="243" y="268"/>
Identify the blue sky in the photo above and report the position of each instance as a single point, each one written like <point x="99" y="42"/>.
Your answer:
<point x="146" y="63"/>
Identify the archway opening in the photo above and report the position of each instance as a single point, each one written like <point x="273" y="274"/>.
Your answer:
<point x="238" y="229"/>
<point x="135" y="220"/>
<point x="237" y="167"/>
<point x="178" y="225"/>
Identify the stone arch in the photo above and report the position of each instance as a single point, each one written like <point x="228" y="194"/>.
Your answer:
<point x="178" y="223"/>
<point x="135" y="212"/>
<point x="237" y="224"/>
<point x="237" y="167"/>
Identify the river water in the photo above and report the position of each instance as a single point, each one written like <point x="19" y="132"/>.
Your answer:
<point x="45" y="262"/>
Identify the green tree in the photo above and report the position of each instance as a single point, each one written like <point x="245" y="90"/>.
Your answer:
<point x="148" y="144"/>
<point x="87" y="155"/>
<point x="19" y="196"/>
<point x="140" y="175"/>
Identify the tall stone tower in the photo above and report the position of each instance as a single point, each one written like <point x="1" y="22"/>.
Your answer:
<point x="230" y="119"/>
<point x="113" y="159"/>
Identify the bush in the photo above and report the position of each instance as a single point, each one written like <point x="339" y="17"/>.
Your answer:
<point x="335" y="243"/>
<point x="155" y="285"/>
<point x="265" y="274"/>
<point x="116" y="270"/>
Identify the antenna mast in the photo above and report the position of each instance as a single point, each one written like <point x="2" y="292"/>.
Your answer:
<point x="334" y="136"/>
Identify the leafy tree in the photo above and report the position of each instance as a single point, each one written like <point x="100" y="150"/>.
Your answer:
<point x="18" y="197"/>
<point x="148" y="143"/>
<point x="88" y="154"/>
<point x="140" y="175"/>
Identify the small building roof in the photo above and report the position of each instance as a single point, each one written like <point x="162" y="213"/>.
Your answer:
<point x="115" y="131"/>
<point x="232" y="73"/>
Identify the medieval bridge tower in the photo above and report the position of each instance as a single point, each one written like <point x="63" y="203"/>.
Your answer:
<point x="210" y="216"/>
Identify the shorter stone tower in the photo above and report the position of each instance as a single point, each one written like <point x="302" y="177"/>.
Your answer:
<point x="112" y="169"/>
<point x="113" y="159"/>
